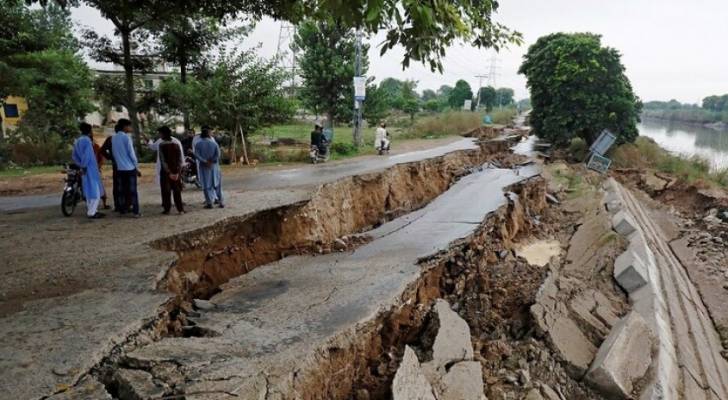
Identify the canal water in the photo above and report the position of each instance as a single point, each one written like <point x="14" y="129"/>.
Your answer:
<point x="689" y="140"/>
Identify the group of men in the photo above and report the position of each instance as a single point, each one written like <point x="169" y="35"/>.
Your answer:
<point x="171" y="161"/>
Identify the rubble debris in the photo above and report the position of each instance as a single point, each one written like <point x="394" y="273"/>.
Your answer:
<point x="409" y="381"/>
<point x="630" y="271"/>
<point x="464" y="381"/>
<point x="87" y="389"/>
<point x="452" y="343"/>
<point x="134" y="384"/>
<point x="203" y="304"/>
<point x="623" y="358"/>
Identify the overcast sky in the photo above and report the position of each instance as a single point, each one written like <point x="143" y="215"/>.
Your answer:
<point x="671" y="48"/>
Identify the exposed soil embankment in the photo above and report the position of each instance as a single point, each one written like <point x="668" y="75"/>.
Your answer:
<point x="211" y="256"/>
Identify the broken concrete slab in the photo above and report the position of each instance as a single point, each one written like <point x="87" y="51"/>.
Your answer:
<point x="452" y="342"/>
<point x="624" y="224"/>
<point x="464" y="381"/>
<point x="134" y="384"/>
<point x="409" y="381"/>
<point x="623" y="358"/>
<point x="549" y="393"/>
<point x="630" y="271"/>
<point x="87" y="389"/>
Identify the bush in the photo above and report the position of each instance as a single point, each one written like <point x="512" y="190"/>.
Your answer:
<point x="503" y="116"/>
<point x="578" y="149"/>
<point x="343" y="149"/>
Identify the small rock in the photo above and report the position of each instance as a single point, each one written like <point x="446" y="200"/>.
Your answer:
<point x="203" y="304"/>
<point x="548" y="393"/>
<point x="533" y="394"/>
<point x="340" y="245"/>
<point x="524" y="377"/>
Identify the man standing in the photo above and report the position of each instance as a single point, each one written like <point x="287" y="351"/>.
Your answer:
<point x="127" y="167"/>
<point x="207" y="153"/>
<point x="116" y="184"/>
<point x="83" y="155"/>
<point x="169" y="153"/>
<point x="154" y="146"/>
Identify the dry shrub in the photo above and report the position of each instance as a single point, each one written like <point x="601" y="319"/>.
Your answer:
<point x="449" y="123"/>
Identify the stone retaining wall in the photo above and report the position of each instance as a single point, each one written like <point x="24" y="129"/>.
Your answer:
<point x="686" y="363"/>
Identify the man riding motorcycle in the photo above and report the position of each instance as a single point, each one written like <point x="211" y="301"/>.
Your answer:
<point x="381" y="139"/>
<point x="319" y="143"/>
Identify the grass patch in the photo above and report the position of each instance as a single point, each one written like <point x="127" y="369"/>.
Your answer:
<point x="644" y="153"/>
<point x="14" y="172"/>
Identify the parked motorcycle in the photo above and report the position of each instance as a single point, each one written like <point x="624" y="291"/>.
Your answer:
<point x="73" y="191"/>
<point x="189" y="173"/>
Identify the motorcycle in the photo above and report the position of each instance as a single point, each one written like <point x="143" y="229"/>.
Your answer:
<point x="317" y="155"/>
<point x="73" y="190"/>
<point x="383" y="146"/>
<point x="189" y="173"/>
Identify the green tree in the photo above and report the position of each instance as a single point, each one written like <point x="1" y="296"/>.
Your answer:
<point x="39" y="62"/>
<point x="459" y="94"/>
<point x="376" y="107"/>
<point x="504" y="97"/>
<point x="327" y="56"/>
<point x="579" y="88"/>
<point x="392" y="92"/>
<point x="240" y="93"/>
<point x="185" y="41"/>
<point x="488" y="97"/>
<point x="428" y="94"/>
<point x="423" y="29"/>
<point x="410" y="100"/>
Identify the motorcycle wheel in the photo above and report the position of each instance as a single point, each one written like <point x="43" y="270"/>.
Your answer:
<point x="68" y="202"/>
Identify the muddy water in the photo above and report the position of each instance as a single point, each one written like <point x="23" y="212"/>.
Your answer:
<point x="689" y="140"/>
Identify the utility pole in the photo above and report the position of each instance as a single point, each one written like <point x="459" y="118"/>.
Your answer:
<point x="480" y="85"/>
<point x="358" y="103"/>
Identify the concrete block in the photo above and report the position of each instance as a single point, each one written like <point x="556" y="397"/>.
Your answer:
<point x="613" y="202"/>
<point x="137" y="384"/>
<point x="452" y="342"/>
<point x="624" y="224"/>
<point x="630" y="271"/>
<point x="409" y="381"/>
<point x="464" y="381"/>
<point x="623" y="358"/>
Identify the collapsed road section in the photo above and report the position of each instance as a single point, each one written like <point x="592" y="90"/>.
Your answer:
<point x="51" y="344"/>
<point x="309" y="326"/>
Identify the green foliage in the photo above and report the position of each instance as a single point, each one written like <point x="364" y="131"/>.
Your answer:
<point x="503" y="116"/>
<point x="39" y="63"/>
<point x="488" y="97"/>
<point x="376" y="107"/>
<point x="578" y="149"/>
<point x="432" y="105"/>
<point x="240" y="91"/>
<point x="714" y="109"/>
<point x="504" y="97"/>
<point x="327" y="57"/>
<point x="428" y="95"/>
<point x="344" y="149"/>
<point x="458" y="95"/>
<point x="578" y="88"/>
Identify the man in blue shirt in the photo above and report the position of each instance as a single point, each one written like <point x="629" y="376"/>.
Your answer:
<point x="83" y="155"/>
<point x="207" y="153"/>
<point x="127" y="167"/>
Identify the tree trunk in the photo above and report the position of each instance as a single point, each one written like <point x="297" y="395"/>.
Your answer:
<point x="129" y="86"/>
<point x="183" y="79"/>
<point x="246" y="161"/>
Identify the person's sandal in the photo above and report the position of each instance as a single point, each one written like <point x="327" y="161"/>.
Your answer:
<point x="98" y="215"/>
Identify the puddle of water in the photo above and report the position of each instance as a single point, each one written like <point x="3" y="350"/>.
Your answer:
<point x="539" y="253"/>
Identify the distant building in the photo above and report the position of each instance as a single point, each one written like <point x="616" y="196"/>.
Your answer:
<point x="11" y="113"/>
